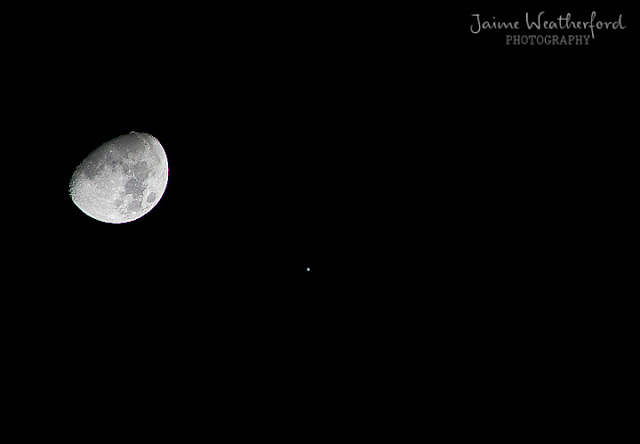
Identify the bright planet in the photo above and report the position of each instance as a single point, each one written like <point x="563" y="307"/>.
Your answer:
<point x="122" y="180"/>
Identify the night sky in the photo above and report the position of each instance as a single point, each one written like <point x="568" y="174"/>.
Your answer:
<point x="342" y="186"/>
<point x="265" y="124"/>
<point x="362" y="151"/>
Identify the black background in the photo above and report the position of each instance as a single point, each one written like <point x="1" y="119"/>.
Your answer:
<point x="548" y="147"/>
<point x="486" y="185"/>
<point x="539" y="226"/>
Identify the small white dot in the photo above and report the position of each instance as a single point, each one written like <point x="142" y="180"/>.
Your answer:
<point x="308" y="269"/>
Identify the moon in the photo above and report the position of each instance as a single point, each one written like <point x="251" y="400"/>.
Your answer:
<point x="122" y="180"/>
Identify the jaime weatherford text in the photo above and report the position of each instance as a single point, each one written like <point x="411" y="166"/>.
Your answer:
<point x="562" y="22"/>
